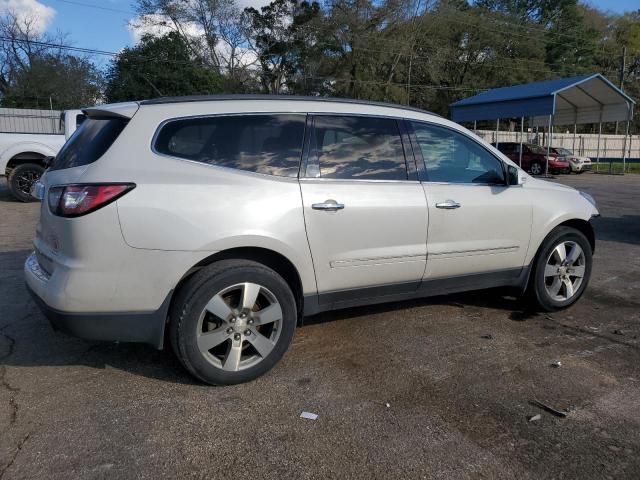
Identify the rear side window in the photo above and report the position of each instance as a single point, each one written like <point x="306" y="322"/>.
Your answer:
<point x="268" y="144"/>
<point x="87" y="144"/>
<point x="357" y="148"/>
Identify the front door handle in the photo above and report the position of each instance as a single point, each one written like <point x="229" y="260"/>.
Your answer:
<point x="329" y="205"/>
<point x="448" y="205"/>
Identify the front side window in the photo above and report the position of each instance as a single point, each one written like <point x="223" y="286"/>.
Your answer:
<point x="452" y="157"/>
<point x="357" y="148"/>
<point x="267" y="144"/>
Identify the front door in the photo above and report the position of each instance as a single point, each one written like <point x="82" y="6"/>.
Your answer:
<point x="477" y="223"/>
<point x="365" y="212"/>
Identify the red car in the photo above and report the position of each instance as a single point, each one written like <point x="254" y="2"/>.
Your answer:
<point x="534" y="158"/>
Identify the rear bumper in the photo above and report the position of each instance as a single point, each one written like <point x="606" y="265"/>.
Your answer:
<point x="139" y="327"/>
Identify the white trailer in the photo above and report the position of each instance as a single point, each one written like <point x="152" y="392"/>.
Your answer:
<point x="28" y="137"/>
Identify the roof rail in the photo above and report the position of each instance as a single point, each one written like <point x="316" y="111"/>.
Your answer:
<point x="217" y="98"/>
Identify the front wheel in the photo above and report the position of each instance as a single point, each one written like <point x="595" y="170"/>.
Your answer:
<point x="562" y="269"/>
<point x="232" y="322"/>
<point x="22" y="178"/>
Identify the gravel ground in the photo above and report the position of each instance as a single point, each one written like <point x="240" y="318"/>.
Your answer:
<point x="408" y="389"/>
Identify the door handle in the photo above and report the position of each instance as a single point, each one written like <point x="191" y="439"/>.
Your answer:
<point x="329" y="205"/>
<point x="448" y="205"/>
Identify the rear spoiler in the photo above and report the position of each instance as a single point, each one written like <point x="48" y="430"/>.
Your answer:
<point x="113" y="110"/>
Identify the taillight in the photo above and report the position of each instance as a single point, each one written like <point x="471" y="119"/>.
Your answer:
<point x="76" y="200"/>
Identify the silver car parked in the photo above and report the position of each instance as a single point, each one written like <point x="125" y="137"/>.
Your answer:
<point x="219" y="222"/>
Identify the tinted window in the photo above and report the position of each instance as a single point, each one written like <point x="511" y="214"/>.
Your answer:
<point x="507" y="148"/>
<point x="535" y="149"/>
<point x="452" y="157"/>
<point x="89" y="142"/>
<point x="269" y="144"/>
<point x="358" y="148"/>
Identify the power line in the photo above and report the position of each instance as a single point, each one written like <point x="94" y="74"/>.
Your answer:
<point x="98" y="7"/>
<point x="425" y="58"/>
<point x="443" y="10"/>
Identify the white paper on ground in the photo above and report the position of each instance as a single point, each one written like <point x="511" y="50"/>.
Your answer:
<point x="308" y="415"/>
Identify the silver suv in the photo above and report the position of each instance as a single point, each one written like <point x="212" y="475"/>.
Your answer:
<point x="219" y="222"/>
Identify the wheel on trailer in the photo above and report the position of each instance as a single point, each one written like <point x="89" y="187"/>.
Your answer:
<point x="22" y="178"/>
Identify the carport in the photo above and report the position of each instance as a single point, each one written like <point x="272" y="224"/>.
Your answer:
<point x="565" y="101"/>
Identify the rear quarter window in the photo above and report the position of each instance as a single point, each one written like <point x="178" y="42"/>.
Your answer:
<point x="268" y="144"/>
<point x="87" y="144"/>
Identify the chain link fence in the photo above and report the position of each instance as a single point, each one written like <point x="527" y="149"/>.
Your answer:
<point x="584" y="145"/>
<point x="26" y="120"/>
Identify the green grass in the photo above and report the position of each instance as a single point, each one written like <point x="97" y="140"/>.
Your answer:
<point x="616" y="167"/>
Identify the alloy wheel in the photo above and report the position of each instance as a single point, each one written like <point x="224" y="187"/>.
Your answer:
<point x="564" y="271"/>
<point x="536" y="169"/>
<point x="239" y="326"/>
<point x="26" y="180"/>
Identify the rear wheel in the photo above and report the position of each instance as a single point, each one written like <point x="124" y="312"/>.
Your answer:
<point x="232" y="322"/>
<point x="562" y="269"/>
<point x="536" y="168"/>
<point x="22" y="178"/>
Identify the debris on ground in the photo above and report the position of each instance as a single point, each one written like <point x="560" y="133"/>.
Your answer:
<point x="535" y="418"/>
<point x="556" y="412"/>
<point x="557" y="364"/>
<point x="617" y="331"/>
<point x="388" y="405"/>
<point x="488" y="336"/>
<point x="309" y="415"/>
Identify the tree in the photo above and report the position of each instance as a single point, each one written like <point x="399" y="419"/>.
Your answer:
<point x="213" y="30"/>
<point x="159" y="66"/>
<point x="36" y="71"/>
<point x="280" y="41"/>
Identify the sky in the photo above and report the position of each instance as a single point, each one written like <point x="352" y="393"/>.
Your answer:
<point x="105" y="25"/>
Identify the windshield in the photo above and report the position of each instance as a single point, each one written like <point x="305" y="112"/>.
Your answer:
<point x="87" y="144"/>
<point x="563" y="151"/>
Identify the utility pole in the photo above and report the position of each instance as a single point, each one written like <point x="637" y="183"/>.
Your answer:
<point x="623" y="67"/>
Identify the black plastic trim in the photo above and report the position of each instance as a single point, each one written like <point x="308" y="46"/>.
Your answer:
<point x="316" y="303"/>
<point x="139" y="327"/>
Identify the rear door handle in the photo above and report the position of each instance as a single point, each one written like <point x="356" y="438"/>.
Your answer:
<point x="448" y="205"/>
<point x="329" y="205"/>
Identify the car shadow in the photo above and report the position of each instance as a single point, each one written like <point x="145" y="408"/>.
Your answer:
<point x="28" y="340"/>
<point x="495" y="298"/>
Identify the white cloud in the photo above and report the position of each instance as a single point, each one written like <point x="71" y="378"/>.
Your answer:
<point x="242" y="4"/>
<point x="157" y="25"/>
<point x="33" y="11"/>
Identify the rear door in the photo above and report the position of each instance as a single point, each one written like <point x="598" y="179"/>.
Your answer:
<point x="364" y="208"/>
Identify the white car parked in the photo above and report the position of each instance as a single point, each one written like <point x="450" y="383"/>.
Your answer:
<point x="28" y="139"/>
<point x="222" y="221"/>
<point x="578" y="164"/>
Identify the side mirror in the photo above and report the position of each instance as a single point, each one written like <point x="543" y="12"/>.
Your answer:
<point x="513" y="177"/>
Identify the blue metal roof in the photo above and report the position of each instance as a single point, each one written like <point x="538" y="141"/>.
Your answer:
<point x="527" y="100"/>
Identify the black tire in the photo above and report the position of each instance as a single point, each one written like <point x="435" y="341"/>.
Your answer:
<point x="22" y="178"/>
<point x="538" y="166"/>
<point x="194" y="296"/>
<point x="537" y="286"/>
